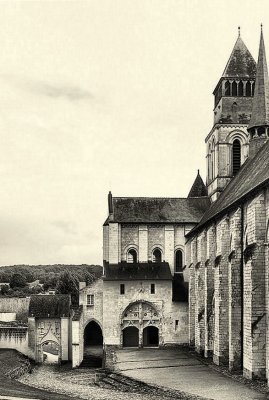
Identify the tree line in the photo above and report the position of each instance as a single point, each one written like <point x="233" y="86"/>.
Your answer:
<point x="63" y="278"/>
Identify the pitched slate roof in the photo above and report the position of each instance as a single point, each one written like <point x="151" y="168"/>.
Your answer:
<point x="139" y="271"/>
<point x="253" y="174"/>
<point x="260" y="105"/>
<point x="159" y="210"/>
<point x="241" y="63"/>
<point x="50" y="306"/>
<point x="198" y="188"/>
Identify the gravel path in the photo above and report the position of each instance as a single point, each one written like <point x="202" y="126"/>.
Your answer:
<point x="80" y="383"/>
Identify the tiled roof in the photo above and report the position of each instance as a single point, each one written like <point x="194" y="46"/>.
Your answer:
<point x="198" y="188"/>
<point x="50" y="306"/>
<point x="160" y="210"/>
<point x="260" y="105"/>
<point x="241" y="63"/>
<point x="253" y="174"/>
<point x="139" y="271"/>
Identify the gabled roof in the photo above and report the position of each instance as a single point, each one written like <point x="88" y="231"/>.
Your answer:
<point x="241" y="63"/>
<point x="253" y="174"/>
<point x="198" y="188"/>
<point x="50" y="306"/>
<point x="158" y="209"/>
<point x="260" y="105"/>
<point x="138" y="271"/>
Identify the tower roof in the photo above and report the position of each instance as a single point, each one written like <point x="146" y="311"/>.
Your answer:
<point x="241" y="63"/>
<point x="198" y="188"/>
<point x="260" y="106"/>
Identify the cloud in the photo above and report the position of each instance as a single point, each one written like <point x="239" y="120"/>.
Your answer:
<point x="49" y="89"/>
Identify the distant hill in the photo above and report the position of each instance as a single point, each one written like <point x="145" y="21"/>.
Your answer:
<point x="45" y="272"/>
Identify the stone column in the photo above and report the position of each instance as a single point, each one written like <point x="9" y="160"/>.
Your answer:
<point x="192" y="300"/>
<point x="113" y="243"/>
<point x="75" y="344"/>
<point x="209" y="290"/>
<point x="169" y="238"/>
<point x="221" y="337"/>
<point x="143" y="243"/>
<point x="32" y="338"/>
<point x="200" y="295"/>
<point x="235" y="294"/>
<point x="64" y="338"/>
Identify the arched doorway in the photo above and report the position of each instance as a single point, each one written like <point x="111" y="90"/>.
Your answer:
<point x="130" y="337"/>
<point x="151" y="336"/>
<point x="93" y="345"/>
<point x="135" y="318"/>
<point x="50" y="352"/>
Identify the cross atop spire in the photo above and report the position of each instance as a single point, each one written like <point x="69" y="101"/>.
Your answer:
<point x="239" y="31"/>
<point x="260" y="108"/>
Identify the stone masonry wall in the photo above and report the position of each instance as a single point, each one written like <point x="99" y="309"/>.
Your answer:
<point x="254" y="289"/>
<point x="217" y="278"/>
<point x="172" y="332"/>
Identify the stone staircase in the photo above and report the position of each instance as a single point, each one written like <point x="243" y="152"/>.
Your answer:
<point x="91" y="361"/>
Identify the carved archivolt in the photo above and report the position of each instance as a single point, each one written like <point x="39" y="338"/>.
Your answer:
<point x="140" y="314"/>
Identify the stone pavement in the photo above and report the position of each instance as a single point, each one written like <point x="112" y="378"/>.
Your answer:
<point x="178" y="369"/>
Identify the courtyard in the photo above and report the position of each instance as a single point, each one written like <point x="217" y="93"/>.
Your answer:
<point x="144" y="374"/>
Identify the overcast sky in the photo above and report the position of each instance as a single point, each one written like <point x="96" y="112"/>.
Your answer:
<point x="104" y="95"/>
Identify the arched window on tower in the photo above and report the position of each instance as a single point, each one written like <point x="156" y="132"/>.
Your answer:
<point x="248" y="88"/>
<point x="213" y="160"/>
<point x="132" y="256"/>
<point x="240" y="89"/>
<point x="236" y="156"/>
<point x="209" y="164"/>
<point x="253" y="88"/>
<point x="234" y="88"/>
<point x="227" y="88"/>
<point x="157" y="255"/>
<point x="179" y="261"/>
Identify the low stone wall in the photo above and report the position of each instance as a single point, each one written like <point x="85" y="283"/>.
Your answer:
<point x="18" y="305"/>
<point x="14" y="336"/>
<point x="110" y="357"/>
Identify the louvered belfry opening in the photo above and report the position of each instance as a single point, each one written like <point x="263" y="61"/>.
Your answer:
<point x="236" y="156"/>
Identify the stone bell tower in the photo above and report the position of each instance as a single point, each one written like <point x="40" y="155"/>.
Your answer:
<point x="228" y="141"/>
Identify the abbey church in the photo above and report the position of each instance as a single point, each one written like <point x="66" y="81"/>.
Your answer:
<point x="184" y="271"/>
<point x="212" y="245"/>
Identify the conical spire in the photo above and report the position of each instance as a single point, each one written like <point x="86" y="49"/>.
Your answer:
<point x="260" y="107"/>
<point x="198" y="188"/>
<point x="241" y="63"/>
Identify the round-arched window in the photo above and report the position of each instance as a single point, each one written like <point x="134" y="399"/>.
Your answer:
<point x="157" y="255"/>
<point x="132" y="256"/>
<point x="236" y="156"/>
<point x="179" y="261"/>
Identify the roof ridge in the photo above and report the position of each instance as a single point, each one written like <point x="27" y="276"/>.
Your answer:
<point x="149" y="197"/>
<point x="230" y="203"/>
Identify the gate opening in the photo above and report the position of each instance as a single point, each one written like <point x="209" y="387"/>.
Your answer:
<point x="151" y="336"/>
<point x="130" y="336"/>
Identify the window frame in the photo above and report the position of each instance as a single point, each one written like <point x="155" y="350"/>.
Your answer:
<point x="182" y="261"/>
<point x="153" y="258"/>
<point x="152" y="288"/>
<point x="132" y="249"/>
<point x="91" y="302"/>
<point x="122" y="288"/>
